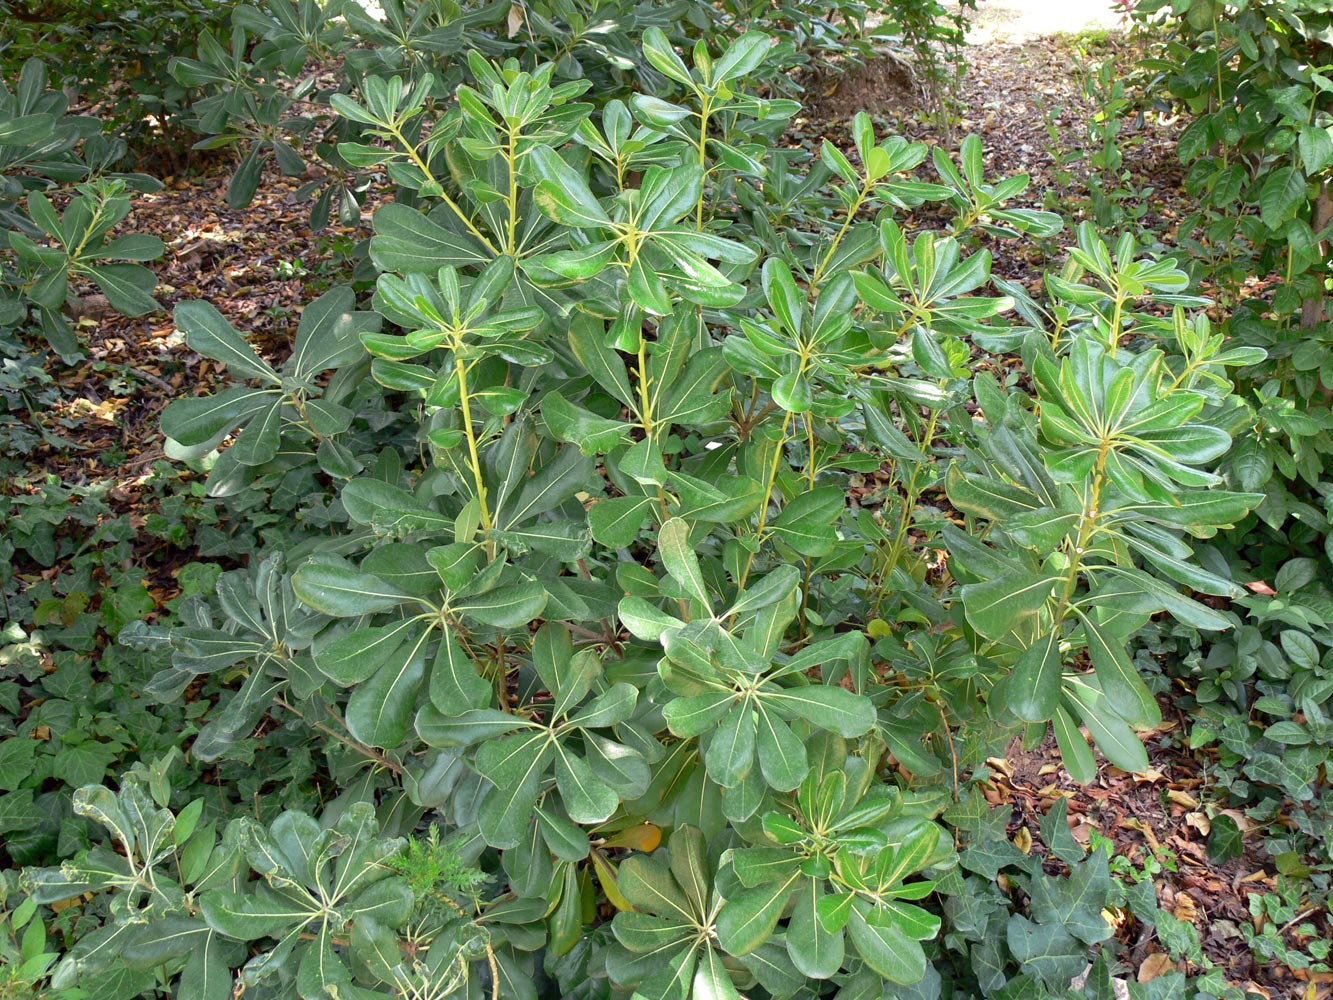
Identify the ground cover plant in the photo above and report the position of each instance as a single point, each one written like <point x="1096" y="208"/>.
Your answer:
<point x="536" y="632"/>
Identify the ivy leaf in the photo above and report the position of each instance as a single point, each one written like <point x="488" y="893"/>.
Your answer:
<point x="1046" y="950"/>
<point x="1076" y="902"/>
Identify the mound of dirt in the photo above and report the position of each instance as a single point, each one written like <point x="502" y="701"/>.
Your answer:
<point x="884" y="88"/>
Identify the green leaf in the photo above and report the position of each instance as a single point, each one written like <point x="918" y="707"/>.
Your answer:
<point x="259" y="441"/>
<point x="389" y="509"/>
<point x="465" y="729"/>
<point x="249" y="916"/>
<point x="355" y="656"/>
<point x="587" y="799"/>
<point x="748" y="919"/>
<point x="995" y="607"/>
<point x="678" y="558"/>
<point x="776" y="586"/>
<point x="508" y="606"/>
<point x="612" y="707"/>
<point x="329" y="334"/>
<point x="198" y="420"/>
<point x="823" y="706"/>
<point x="784" y="298"/>
<point x="646" y="289"/>
<point x="128" y="287"/>
<point x="1282" y="196"/>
<point x="711" y="979"/>
<point x="616" y="522"/>
<point x="657" y="112"/>
<point x="730" y="753"/>
<point x="455" y="685"/>
<point x="648" y="884"/>
<point x="782" y="757"/>
<point x="793" y="393"/>
<point x="339" y="590"/>
<point x="562" y="193"/>
<point x="207" y="332"/>
<point x="816" y="952"/>
<point x="407" y="241"/>
<point x="1032" y="691"/>
<point x="1162" y="596"/>
<point x="1074" y="749"/>
<point x="658" y="51"/>
<point x="379" y="712"/>
<point x="586" y="339"/>
<point x="885" y="948"/>
<point x="1113" y="736"/>
<point x="1316" y="147"/>
<point x="514" y="765"/>
<point x="553" y="483"/>
<point x="593" y="434"/>
<point x="206" y="975"/>
<point x="697" y="714"/>
<point x="1118" y="679"/>
<point x="742" y="57"/>
<point x="646" y="933"/>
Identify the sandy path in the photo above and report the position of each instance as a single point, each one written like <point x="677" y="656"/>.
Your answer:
<point x="1013" y="21"/>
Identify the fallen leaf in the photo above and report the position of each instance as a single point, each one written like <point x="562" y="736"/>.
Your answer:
<point x="1157" y="964"/>
<point x="1185" y="908"/>
<point x="1182" y="798"/>
<point x="1023" y="840"/>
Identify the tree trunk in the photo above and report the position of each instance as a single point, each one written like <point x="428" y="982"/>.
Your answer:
<point x="1312" y="309"/>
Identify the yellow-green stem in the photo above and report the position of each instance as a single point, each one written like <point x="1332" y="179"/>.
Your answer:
<point x="460" y="369"/>
<point x="512" y="245"/>
<point x="837" y="240"/>
<point x="421" y="165"/>
<point x="768" y="494"/>
<point x="704" y="111"/>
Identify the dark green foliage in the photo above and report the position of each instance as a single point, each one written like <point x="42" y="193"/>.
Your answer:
<point x="114" y="55"/>
<point x="563" y="655"/>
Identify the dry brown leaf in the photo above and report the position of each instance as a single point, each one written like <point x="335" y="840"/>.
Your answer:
<point x="1023" y="840"/>
<point x="1182" y="798"/>
<point x="1157" y="964"/>
<point x="1185" y="908"/>
<point x="1139" y="826"/>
